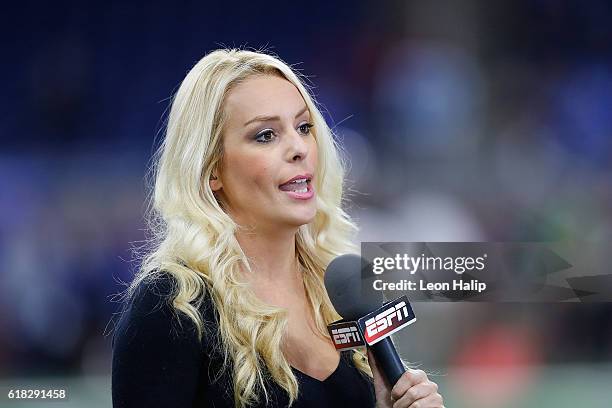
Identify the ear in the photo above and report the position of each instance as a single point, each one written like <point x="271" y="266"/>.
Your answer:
<point x="215" y="182"/>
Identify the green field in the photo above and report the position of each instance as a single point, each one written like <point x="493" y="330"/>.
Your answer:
<point x="588" y="386"/>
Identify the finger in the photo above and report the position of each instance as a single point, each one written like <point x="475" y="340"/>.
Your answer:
<point x="417" y="392"/>
<point x="431" y="401"/>
<point x="408" y="379"/>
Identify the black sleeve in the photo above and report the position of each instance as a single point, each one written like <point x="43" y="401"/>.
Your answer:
<point x="156" y="361"/>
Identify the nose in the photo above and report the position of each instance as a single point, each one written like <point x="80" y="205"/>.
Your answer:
<point x="297" y="148"/>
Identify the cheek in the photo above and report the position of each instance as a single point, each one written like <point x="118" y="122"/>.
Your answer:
<point x="314" y="155"/>
<point x="262" y="175"/>
<point x="251" y="173"/>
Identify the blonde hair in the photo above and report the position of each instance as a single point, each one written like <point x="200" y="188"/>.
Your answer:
<point x="193" y="239"/>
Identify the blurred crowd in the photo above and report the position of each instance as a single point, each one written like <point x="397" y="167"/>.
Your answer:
<point x="461" y="121"/>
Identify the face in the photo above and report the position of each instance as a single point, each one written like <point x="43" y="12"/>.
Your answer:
<point x="267" y="142"/>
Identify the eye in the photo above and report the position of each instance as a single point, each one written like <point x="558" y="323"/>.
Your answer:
<point x="264" y="137"/>
<point x="305" y="128"/>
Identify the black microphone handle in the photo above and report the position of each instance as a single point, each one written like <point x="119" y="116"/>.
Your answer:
<point x="388" y="360"/>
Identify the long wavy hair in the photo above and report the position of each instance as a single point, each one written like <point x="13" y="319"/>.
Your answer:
<point x="192" y="238"/>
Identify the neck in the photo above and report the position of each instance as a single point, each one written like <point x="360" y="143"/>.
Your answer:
<point x="272" y="257"/>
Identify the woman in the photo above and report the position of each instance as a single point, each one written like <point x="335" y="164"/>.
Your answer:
<point x="229" y="307"/>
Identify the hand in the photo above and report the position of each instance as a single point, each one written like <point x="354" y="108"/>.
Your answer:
<point x="412" y="390"/>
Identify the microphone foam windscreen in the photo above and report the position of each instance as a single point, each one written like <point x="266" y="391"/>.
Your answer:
<point x="351" y="297"/>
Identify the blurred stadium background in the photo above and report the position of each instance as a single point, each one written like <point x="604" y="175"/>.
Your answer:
<point x="463" y="121"/>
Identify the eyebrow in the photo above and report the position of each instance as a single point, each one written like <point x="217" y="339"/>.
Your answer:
<point x="264" y="118"/>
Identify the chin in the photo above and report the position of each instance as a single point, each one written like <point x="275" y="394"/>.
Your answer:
<point x="302" y="219"/>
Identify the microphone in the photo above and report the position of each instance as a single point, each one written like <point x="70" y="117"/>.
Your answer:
<point x="365" y="305"/>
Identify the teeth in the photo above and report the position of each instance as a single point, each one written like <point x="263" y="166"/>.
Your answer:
<point x="299" y="186"/>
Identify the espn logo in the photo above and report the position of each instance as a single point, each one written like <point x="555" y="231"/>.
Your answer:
<point x="345" y="335"/>
<point x="387" y="320"/>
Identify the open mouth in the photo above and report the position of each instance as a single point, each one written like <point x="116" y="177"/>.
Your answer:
<point x="300" y="188"/>
<point x="300" y="185"/>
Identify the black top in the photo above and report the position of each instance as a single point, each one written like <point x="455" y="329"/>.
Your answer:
<point x="158" y="362"/>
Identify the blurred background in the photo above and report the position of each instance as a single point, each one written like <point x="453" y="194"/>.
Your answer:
<point x="463" y="121"/>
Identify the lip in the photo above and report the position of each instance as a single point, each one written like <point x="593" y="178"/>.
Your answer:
<point x="299" y="176"/>
<point x="309" y="189"/>
<point x="301" y="196"/>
